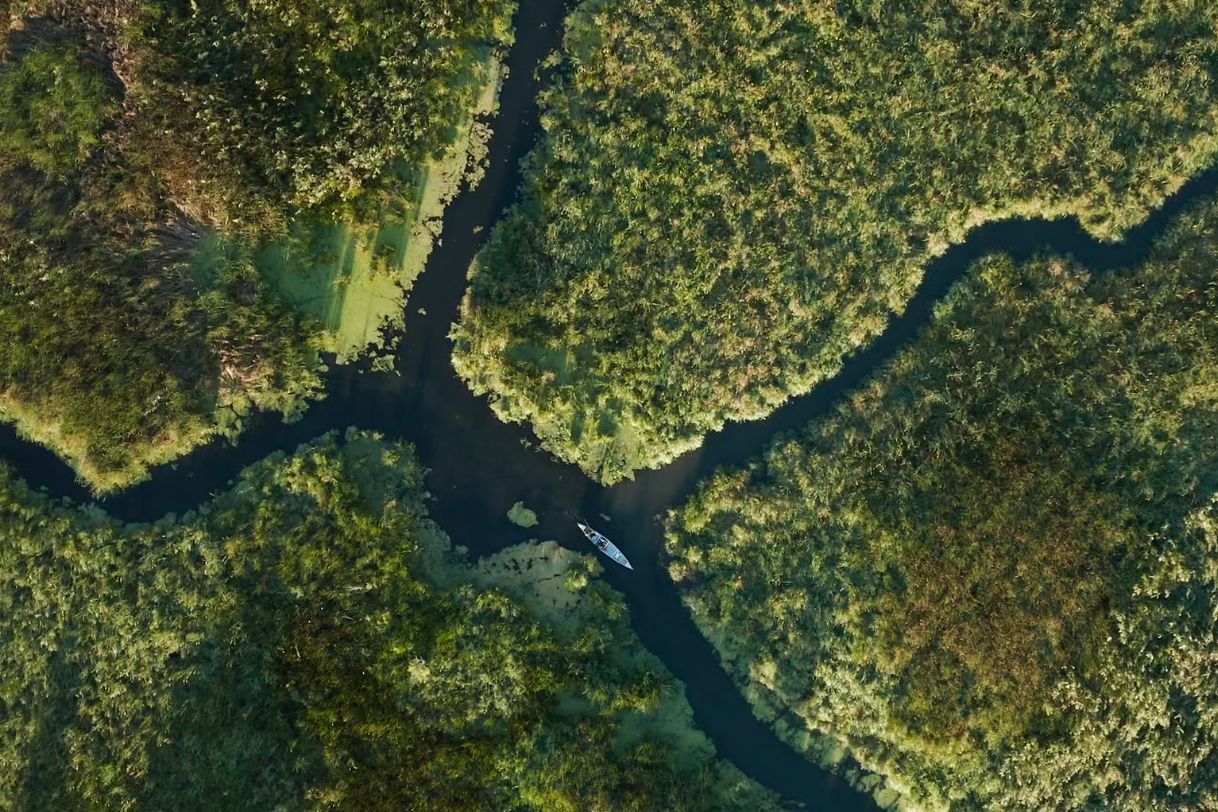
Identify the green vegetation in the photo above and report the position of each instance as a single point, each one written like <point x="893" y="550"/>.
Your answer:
<point x="352" y="276"/>
<point x="309" y="640"/>
<point x="390" y="96"/>
<point x="990" y="576"/>
<point x="110" y="350"/>
<point x="185" y="188"/>
<point x="345" y="101"/>
<point x="55" y="110"/>
<point x="521" y="516"/>
<point x="732" y="196"/>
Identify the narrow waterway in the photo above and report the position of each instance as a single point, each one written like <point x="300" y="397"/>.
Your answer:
<point x="479" y="466"/>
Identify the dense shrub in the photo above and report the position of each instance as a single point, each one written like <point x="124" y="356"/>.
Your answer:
<point x="991" y="573"/>
<point x="305" y="105"/>
<point x="731" y="196"/>
<point x="308" y="640"/>
<point x="150" y="151"/>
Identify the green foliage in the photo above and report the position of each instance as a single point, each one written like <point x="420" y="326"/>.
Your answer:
<point x="731" y="196"/>
<point x="308" y="640"/>
<point x="144" y="304"/>
<point x="991" y="574"/>
<point x="52" y="110"/>
<point x="116" y="357"/>
<point x="306" y="105"/>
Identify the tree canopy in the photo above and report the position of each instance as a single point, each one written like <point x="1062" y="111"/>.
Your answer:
<point x="174" y="175"/>
<point x="990" y="575"/>
<point x="731" y="196"/>
<point x="309" y="640"/>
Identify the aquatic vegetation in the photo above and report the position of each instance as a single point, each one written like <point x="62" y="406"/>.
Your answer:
<point x="730" y="197"/>
<point x="200" y="199"/>
<point x="521" y="516"/>
<point x="990" y="574"/>
<point x="310" y="640"/>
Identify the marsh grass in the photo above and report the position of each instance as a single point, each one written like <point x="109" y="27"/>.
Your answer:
<point x="981" y="572"/>
<point x="310" y="639"/>
<point x="730" y="197"/>
<point x="162" y="278"/>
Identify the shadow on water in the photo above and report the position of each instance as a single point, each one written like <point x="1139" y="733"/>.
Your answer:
<point x="479" y="466"/>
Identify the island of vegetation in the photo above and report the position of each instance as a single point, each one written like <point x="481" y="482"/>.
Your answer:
<point x="310" y="640"/>
<point x="521" y="516"/>
<point x="200" y="199"/>
<point x="730" y="197"/>
<point x="991" y="576"/>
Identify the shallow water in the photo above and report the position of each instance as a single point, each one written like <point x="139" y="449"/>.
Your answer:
<point x="479" y="467"/>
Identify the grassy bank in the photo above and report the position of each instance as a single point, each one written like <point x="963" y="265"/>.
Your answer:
<point x="989" y="576"/>
<point x="731" y="197"/>
<point x="310" y="640"/>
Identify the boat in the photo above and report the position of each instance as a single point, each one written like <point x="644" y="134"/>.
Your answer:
<point x="605" y="545"/>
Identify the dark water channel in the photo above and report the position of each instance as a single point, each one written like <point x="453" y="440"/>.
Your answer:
<point x="479" y="466"/>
